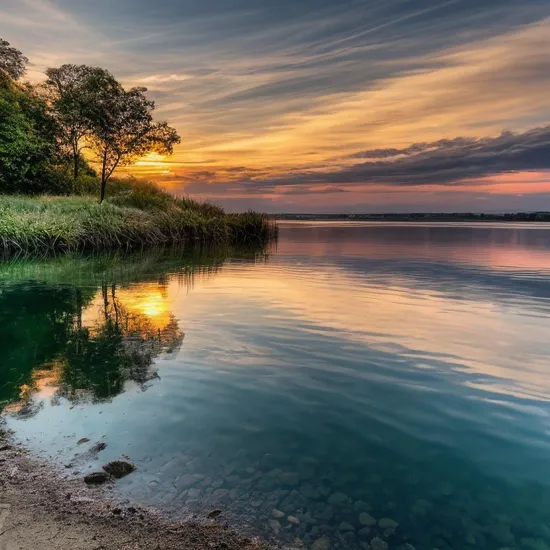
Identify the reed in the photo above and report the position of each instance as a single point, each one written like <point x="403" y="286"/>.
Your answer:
<point x="136" y="215"/>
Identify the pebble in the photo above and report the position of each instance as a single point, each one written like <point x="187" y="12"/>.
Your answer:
<point x="339" y="499"/>
<point x="309" y="491"/>
<point x="421" y="507"/>
<point x="289" y="478"/>
<point x="365" y="532"/>
<point x="119" y="468"/>
<point x="387" y="523"/>
<point x="293" y="519"/>
<point x="186" y="480"/>
<point x="96" y="478"/>
<point x="321" y="544"/>
<point x="366" y="519"/>
<point x="361" y="506"/>
<point x="345" y="526"/>
<point x="277" y="514"/>
<point x="378" y="544"/>
<point x="275" y="525"/>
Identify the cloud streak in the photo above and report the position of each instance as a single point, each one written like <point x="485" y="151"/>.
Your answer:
<point x="318" y="96"/>
<point x="443" y="162"/>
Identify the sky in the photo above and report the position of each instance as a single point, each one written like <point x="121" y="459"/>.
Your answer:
<point x="324" y="105"/>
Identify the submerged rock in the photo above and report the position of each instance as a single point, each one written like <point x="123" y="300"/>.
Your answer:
<point x="321" y="544"/>
<point x="83" y="440"/>
<point x="98" y="447"/>
<point x="501" y="533"/>
<point x="361" y="506"/>
<point x="119" y="468"/>
<point x="366" y="519"/>
<point x="289" y="478"/>
<point x="345" y="526"/>
<point x="277" y="514"/>
<point x="421" y="507"/>
<point x="275" y="525"/>
<point x="309" y="491"/>
<point x="293" y="519"/>
<point x="339" y="499"/>
<point x="96" y="478"/>
<point x="365" y="532"/>
<point x="388" y="523"/>
<point x="378" y="544"/>
<point x="214" y="513"/>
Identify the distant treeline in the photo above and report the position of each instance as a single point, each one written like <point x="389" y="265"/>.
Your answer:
<point x="46" y="128"/>
<point x="425" y="217"/>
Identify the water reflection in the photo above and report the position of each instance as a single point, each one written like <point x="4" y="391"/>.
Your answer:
<point x="398" y="372"/>
<point x="86" y="342"/>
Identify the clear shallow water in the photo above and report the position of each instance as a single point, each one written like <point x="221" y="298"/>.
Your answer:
<point x="398" y="370"/>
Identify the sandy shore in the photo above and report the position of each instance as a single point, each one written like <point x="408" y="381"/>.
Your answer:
<point x="41" y="511"/>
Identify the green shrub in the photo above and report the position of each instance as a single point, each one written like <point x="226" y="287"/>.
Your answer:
<point x="135" y="216"/>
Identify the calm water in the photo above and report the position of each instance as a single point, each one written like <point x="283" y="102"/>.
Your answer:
<point x="357" y="371"/>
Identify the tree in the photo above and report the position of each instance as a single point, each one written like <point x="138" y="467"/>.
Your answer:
<point x="27" y="138"/>
<point x="124" y="130"/>
<point x="12" y="61"/>
<point x="76" y="94"/>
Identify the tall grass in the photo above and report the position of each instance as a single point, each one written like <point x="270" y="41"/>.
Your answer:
<point x="135" y="216"/>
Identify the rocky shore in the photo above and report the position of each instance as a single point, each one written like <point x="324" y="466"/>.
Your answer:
<point x="41" y="510"/>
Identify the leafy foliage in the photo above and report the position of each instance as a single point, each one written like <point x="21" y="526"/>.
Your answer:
<point x="123" y="130"/>
<point x="27" y="143"/>
<point x="12" y="61"/>
<point x="76" y="95"/>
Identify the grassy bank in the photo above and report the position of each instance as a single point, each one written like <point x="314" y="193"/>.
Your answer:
<point x="135" y="215"/>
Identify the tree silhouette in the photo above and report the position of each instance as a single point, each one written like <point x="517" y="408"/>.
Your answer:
<point x="12" y="61"/>
<point x="123" y="130"/>
<point x="76" y="94"/>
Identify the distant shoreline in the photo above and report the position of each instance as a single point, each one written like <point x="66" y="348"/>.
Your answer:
<point x="421" y="217"/>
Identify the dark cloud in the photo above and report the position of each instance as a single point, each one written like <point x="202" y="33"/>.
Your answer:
<point x="440" y="162"/>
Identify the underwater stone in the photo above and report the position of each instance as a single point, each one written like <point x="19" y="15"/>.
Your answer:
<point x="96" y="478"/>
<point x="365" y="532"/>
<point x="119" y="468"/>
<point x="501" y="533"/>
<point x="186" y="480"/>
<point x="321" y="544"/>
<point x="345" y="526"/>
<point x="534" y="544"/>
<point x="275" y="525"/>
<point x="366" y="519"/>
<point x="339" y="499"/>
<point x="361" y="506"/>
<point x="378" y="544"/>
<point x="277" y="514"/>
<point x="387" y="523"/>
<point x="289" y="478"/>
<point x="293" y="519"/>
<point x="309" y="491"/>
<point x="421" y="507"/>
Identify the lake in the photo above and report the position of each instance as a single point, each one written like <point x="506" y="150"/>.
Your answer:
<point x="378" y="383"/>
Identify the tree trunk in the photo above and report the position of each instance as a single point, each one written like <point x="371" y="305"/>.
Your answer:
<point x="103" y="186"/>
<point x="76" y="159"/>
<point x="103" y="177"/>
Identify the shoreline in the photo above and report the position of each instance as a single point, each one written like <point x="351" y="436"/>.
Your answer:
<point x="41" y="509"/>
<point x="140" y="217"/>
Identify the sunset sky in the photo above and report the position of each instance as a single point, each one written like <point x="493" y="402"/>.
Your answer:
<point x="324" y="105"/>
